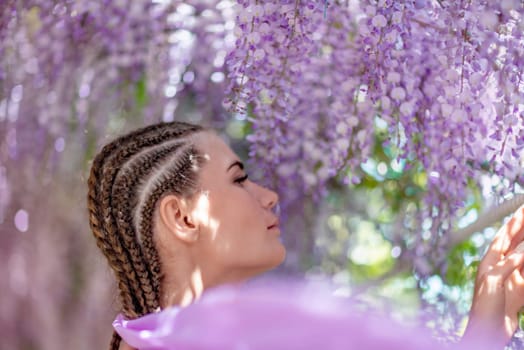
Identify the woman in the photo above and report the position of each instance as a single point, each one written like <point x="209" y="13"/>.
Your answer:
<point x="170" y="205"/>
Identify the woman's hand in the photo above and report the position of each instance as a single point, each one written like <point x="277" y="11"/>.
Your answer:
<point x="499" y="286"/>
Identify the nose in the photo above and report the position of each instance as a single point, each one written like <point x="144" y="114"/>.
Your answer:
<point x="267" y="197"/>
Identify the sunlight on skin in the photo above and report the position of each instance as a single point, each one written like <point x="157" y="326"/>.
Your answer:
<point x="195" y="290"/>
<point x="201" y="213"/>
<point x="496" y="280"/>
<point x="509" y="236"/>
<point x="499" y="285"/>
<point x="195" y="287"/>
<point x="225" y="233"/>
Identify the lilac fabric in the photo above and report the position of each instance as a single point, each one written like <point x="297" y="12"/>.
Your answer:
<point x="276" y="317"/>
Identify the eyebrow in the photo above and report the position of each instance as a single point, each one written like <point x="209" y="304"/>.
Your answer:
<point x="236" y="163"/>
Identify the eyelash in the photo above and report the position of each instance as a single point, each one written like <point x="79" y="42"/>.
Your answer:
<point x="241" y="180"/>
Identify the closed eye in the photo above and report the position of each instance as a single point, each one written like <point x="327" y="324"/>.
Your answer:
<point x="242" y="179"/>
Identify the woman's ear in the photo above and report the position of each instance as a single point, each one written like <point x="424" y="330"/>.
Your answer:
<point x="175" y="215"/>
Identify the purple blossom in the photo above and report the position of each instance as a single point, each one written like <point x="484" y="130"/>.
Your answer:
<point x="444" y="76"/>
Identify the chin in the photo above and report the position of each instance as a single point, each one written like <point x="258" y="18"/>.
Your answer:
<point x="279" y="258"/>
<point x="270" y="263"/>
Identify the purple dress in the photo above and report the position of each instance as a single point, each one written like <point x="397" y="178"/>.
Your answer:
<point x="282" y="316"/>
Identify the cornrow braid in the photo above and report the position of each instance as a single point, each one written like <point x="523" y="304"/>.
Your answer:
<point x="125" y="203"/>
<point x="186" y="164"/>
<point x="133" y="301"/>
<point x="128" y="171"/>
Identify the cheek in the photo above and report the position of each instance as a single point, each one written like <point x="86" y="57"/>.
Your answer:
<point x="233" y="210"/>
<point x="249" y="212"/>
<point x="243" y="226"/>
<point x="240" y="217"/>
<point x="242" y="200"/>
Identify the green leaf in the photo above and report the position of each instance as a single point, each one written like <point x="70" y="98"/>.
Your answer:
<point x="141" y="96"/>
<point x="459" y="271"/>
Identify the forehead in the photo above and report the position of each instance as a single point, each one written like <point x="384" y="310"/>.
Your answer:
<point x="214" y="150"/>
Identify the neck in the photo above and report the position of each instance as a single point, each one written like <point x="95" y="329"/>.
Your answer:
<point x="189" y="287"/>
<point x="183" y="293"/>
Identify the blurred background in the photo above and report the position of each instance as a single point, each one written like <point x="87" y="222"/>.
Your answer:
<point x="74" y="74"/>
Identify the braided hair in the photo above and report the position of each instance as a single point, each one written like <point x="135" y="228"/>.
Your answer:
<point x="128" y="177"/>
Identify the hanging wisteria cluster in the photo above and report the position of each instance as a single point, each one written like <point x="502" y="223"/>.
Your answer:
<point x="71" y="70"/>
<point x="444" y="76"/>
<point x="69" y="57"/>
<point x="298" y="69"/>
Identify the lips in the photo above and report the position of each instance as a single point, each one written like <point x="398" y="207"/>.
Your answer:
<point x="274" y="225"/>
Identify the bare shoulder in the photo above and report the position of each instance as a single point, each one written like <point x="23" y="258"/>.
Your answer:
<point x="125" y="346"/>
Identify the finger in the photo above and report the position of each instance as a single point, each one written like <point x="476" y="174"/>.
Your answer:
<point x="506" y="239"/>
<point x="514" y="292"/>
<point x="515" y="284"/>
<point x="516" y="228"/>
<point x="490" y="288"/>
<point x="504" y="268"/>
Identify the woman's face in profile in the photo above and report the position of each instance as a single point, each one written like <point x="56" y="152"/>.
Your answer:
<point x="238" y="230"/>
